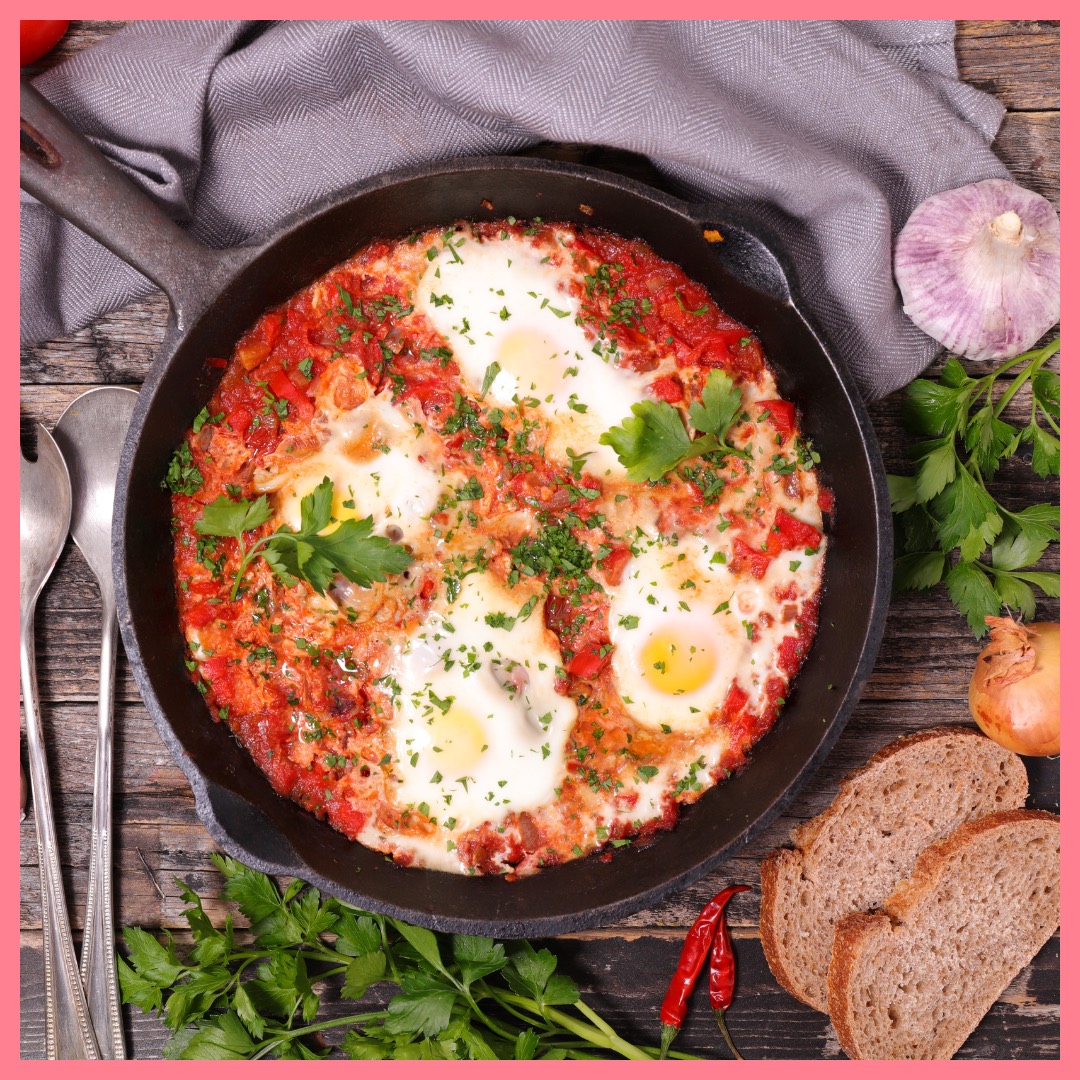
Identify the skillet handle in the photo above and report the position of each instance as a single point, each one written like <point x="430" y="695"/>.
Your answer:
<point x="63" y="170"/>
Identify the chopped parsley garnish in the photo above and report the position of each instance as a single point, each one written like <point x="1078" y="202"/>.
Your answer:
<point x="204" y="417"/>
<point x="356" y="311"/>
<point x="490" y="375"/>
<point x="554" y="551"/>
<point x="183" y="476"/>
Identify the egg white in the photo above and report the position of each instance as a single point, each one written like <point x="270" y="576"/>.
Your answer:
<point x="378" y="464"/>
<point x="479" y="729"/>
<point x="684" y="628"/>
<point x="497" y="302"/>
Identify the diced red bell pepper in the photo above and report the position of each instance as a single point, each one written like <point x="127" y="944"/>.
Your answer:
<point x="613" y="564"/>
<point x="589" y="661"/>
<point x="239" y="419"/>
<point x="283" y="387"/>
<point x="781" y="414"/>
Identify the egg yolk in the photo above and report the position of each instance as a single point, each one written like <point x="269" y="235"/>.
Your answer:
<point x="529" y="356"/>
<point x="676" y="663"/>
<point x="457" y="739"/>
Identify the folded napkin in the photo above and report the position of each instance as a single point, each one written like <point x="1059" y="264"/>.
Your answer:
<point x="830" y="132"/>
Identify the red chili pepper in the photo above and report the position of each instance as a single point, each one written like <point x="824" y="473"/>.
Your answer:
<point x="691" y="961"/>
<point x="722" y="974"/>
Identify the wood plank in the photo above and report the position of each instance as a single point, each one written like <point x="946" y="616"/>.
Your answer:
<point x="1018" y="61"/>
<point x="1030" y="145"/>
<point x="763" y="1020"/>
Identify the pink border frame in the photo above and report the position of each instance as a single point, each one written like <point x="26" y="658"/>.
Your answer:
<point x="9" y="991"/>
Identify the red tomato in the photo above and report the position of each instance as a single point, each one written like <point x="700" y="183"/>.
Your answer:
<point x="667" y="388"/>
<point x="613" y="564"/>
<point x="794" y="533"/>
<point x="743" y="555"/>
<point x="37" y="37"/>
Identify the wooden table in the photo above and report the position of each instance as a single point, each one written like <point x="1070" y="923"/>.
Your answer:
<point x="920" y="679"/>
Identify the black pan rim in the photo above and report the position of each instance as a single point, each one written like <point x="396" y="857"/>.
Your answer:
<point x="205" y="790"/>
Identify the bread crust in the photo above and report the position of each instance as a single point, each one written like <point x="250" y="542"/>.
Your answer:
<point x="778" y="866"/>
<point x="804" y="835"/>
<point x="783" y="867"/>
<point x="855" y="932"/>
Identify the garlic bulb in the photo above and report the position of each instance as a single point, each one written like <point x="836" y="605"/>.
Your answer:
<point x="979" y="269"/>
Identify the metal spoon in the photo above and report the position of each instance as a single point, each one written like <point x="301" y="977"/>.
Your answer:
<point x="91" y="433"/>
<point x="44" y="513"/>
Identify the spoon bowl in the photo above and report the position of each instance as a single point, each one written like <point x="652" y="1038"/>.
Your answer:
<point x="90" y="433"/>
<point x="44" y="515"/>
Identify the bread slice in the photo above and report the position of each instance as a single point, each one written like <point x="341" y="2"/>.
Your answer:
<point x="914" y="980"/>
<point x="851" y="857"/>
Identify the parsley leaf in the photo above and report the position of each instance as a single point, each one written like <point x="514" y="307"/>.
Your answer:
<point x="309" y="554"/>
<point x="654" y="440"/>
<point x="450" y="996"/>
<point x="491" y="373"/>
<point x="225" y="517"/>
<point x="947" y="518"/>
<point x="651" y="442"/>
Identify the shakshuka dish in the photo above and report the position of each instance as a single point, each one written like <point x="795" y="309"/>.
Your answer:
<point x="497" y="543"/>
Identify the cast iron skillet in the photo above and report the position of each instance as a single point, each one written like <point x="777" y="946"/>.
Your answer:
<point x="216" y="295"/>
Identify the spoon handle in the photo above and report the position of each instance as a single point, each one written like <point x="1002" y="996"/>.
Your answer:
<point x="68" y="1032"/>
<point x="97" y="960"/>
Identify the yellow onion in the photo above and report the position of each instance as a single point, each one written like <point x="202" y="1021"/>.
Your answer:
<point x="1015" y="693"/>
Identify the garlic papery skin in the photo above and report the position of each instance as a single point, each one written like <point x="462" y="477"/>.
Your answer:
<point x="979" y="269"/>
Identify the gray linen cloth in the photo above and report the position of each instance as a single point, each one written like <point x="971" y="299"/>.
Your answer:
<point x="830" y="132"/>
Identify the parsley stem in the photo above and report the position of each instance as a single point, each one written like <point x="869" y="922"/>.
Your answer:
<point x="602" y="1024"/>
<point x="295" y="1033"/>
<point x="584" y="1031"/>
<point x="1037" y="362"/>
<point x="246" y="555"/>
<point x="499" y="1029"/>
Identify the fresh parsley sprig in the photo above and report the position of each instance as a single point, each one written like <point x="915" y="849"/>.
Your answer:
<point x="946" y="517"/>
<point x="654" y="440"/>
<point x="308" y="554"/>
<point x="454" y="996"/>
